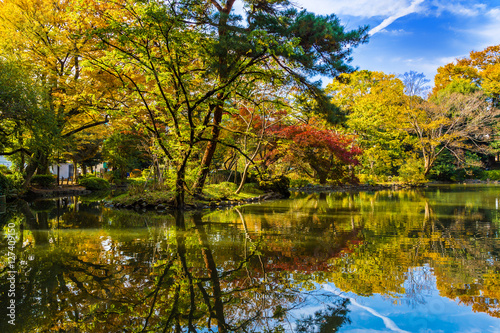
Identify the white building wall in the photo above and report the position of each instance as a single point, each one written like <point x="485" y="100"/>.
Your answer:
<point x="65" y="170"/>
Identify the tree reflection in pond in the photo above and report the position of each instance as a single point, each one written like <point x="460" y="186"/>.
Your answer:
<point x="170" y="277"/>
<point x="258" y="268"/>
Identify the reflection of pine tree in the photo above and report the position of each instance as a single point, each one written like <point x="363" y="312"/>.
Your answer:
<point x="328" y="320"/>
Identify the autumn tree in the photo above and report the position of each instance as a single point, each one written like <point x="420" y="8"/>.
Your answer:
<point x="124" y="151"/>
<point x="26" y="124"/>
<point x="321" y="47"/>
<point x="373" y="104"/>
<point x="454" y="122"/>
<point x="181" y="66"/>
<point x="480" y="70"/>
<point x="45" y="36"/>
<point x="317" y="150"/>
<point x="252" y="123"/>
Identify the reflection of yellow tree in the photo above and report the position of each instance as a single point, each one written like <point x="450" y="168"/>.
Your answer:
<point x="176" y="277"/>
<point x="471" y="272"/>
<point x="196" y="274"/>
<point x="406" y="230"/>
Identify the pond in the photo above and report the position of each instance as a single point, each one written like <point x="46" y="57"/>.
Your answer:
<point x="420" y="260"/>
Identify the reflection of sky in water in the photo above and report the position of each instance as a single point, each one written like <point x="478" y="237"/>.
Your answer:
<point x="384" y="314"/>
<point x="106" y="243"/>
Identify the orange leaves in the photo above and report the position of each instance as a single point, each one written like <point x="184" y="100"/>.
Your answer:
<point x="309" y="147"/>
<point x="481" y="68"/>
<point x="308" y="137"/>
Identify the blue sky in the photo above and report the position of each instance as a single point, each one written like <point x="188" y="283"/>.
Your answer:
<point x="418" y="35"/>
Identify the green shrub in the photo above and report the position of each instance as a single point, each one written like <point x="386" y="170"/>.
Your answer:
<point x="297" y="180"/>
<point x="278" y="184"/>
<point x="367" y="179"/>
<point x="17" y="179"/>
<point x="44" y="180"/>
<point x="4" y="169"/>
<point x="446" y="168"/>
<point x="146" y="173"/>
<point x="109" y="176"/>
<point x="412" y="172"/>
<point x="94" y="183"/>
<point x="251" y="188"/>
<point x="136" y="173"/>
<point x="445" y="171"/>
<point x="5" y="184"/>
<point x="473" y="166"/>
<point x="491" y="175"/>
<point x="117" y="177"/>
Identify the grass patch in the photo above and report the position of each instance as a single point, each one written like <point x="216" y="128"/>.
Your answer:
<point x="491" y="175"/>
<point x="213" y="192"/>
<point x="150" y="197"/>
<point x="225" y="191"/>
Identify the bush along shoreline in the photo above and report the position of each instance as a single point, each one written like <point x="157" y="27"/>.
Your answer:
<point x="214" y="196"/>
<point x="220" y="195"/>
<point x="140" y="196"/>
<point x="217" y="196"/>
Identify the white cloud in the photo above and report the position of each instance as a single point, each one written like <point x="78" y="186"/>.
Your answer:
<point x="412" y="8"/>
<point x="490" y="31"/>
<point x="359" y="8"/>
<point x="447" y="60"/>
<point x="399" y="32"/>
<point x="483" y="32"/>
<point x="457" y="8"/>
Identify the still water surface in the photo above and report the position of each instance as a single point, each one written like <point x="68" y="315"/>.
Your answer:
<point x="424" y="260"/>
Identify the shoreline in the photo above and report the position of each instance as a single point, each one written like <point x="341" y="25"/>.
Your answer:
<point x="167" y="205"/>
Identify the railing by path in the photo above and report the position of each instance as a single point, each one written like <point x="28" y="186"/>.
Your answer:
<point x="67" y="181"/>
<point x="73" y="181"/>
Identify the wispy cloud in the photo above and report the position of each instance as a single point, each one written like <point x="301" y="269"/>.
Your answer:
<point x="358" y="8"/>
<point x="489" y="32"/>
<point x="412" y="8"/>
<point x="389" y="324"/>
<point x="457" y="8"/>
<point x="483" y="31"/>
<point x="398" y="32"/>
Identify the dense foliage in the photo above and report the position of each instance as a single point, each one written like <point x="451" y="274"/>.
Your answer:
<point x="190" y="90"/>
<point x="94" y="183"/>
<point x="44" y="180"/>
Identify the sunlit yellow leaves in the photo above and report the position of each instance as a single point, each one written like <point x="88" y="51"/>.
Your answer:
<point x="481" y="68"/>
<point x="374" y="104"/>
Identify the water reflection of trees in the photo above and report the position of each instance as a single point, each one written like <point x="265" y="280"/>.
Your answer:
<point x="398" y="244"/>
<point x="247" y="269"/>
<point x="172" y="276"/>
<point x="456" y="244"/>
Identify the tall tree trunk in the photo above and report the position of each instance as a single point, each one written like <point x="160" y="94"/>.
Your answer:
<point x="75" y="171"/>
<point x="43" y="164"/>
<point x="209" y="150"/>
<point x="180" y="192"/>
<point x="211" y="267"/>
<point x="243" y="178"/>
<point x="21" y="142"/>
<point x="223" y="73"/>
<point x="31" y="168"/>
<point x="428" y="162"/>
<point x="247" y="166"/>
